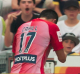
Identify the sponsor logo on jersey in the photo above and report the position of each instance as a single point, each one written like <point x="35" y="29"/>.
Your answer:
<point x="59" y="36"/>
<point x="27" y="58"/>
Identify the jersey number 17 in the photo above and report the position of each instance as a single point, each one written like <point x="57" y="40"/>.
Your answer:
<point x="32" y="36"/>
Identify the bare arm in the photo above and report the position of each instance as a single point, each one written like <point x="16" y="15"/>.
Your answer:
<point x="61" y="56"/>
<point x="56" y="8"/>
<point x="38" y="10"/>
<point x="37" y="2"/>
<point x="9" y="35"/>
<point x="15" y="4"/>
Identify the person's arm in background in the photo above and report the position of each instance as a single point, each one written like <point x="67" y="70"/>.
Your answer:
<point x="8" y="34"/>
<point x="56" y="8"/>
<point x="37" y="2"/>
<point x="14" y="5"/>
<point x="37" y="9"/>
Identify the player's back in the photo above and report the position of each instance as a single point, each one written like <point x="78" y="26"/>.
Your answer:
<point x="30" y="47"/>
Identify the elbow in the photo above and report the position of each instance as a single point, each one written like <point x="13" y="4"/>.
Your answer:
<point x="62" y="60"/>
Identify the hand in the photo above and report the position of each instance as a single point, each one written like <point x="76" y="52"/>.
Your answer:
<point x="11" y="17"/>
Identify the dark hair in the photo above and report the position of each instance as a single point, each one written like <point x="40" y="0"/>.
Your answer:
<point x="20" y="0"/>
<point x="49" y="14"/>
<point x="71" y="40"/>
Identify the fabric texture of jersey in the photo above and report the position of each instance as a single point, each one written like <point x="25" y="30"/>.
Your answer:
<point x="75" y="30"/>
<point x="61" y="4"/>
<point x="18" y="22"/>
<point x="34" y="39"/>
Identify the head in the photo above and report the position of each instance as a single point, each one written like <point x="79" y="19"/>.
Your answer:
<point x="26" y="6"/>
<point x="69" y="41"/>
<point x="20" y="0"/>
<point x="50" y="15"/>
<point x="71" y="9"/>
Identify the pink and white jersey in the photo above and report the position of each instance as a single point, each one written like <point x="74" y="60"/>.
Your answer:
<point x="32" y="44"/>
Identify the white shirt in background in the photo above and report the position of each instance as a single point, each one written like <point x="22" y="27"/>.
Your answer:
<point x="75" y="30"/>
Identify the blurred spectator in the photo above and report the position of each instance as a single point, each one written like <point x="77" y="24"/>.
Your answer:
<point x="38" y="5"/>
<point x="5" y="7"/>
<point x="48" y="4"/>
<point x="69" y="41"/>
<point x="72" y="24"/>
<point x="2" y="32"/>
<point x="14" y="20"/>
<point x="59" y="4"/>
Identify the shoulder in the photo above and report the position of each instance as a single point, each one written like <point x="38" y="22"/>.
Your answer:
<point x="52" y="26"/>
<point x="60" y="22"/>
<point x="79" y="22"/>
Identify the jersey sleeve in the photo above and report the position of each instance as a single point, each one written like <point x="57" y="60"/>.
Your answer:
<point x="56" y="39"/>
<point x="56" y="2"/>
<point x="14" y="44"/>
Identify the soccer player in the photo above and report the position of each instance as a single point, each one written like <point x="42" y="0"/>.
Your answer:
<point x="33" y="41"/>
